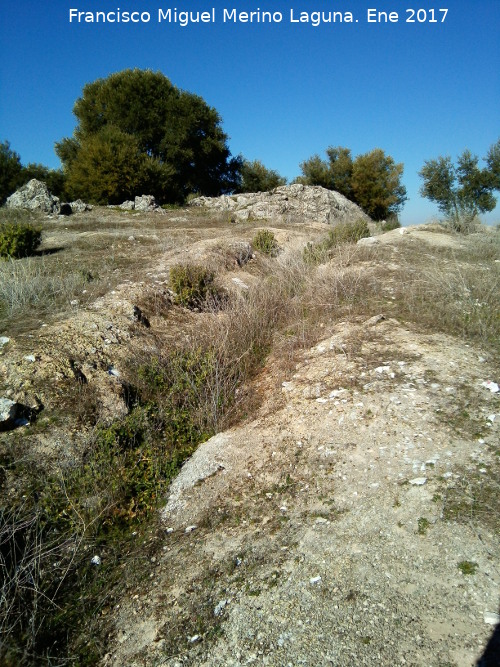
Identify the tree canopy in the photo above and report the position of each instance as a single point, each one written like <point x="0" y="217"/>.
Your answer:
<point x="255" y="177"/>
<point x="10" y="171"/>
<point x="462" y="190"/>
<point x="136" y="131"/>
<point x="371" y="180"/>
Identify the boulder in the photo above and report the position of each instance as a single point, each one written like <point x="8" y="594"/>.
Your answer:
<point x="287" y="203"/>
<point x="145" y="203"/>
<point x="8" y="413"/>
<point x="127" y="205"/>
<point x="80" y="206"/>
<point x="34" y="196"/>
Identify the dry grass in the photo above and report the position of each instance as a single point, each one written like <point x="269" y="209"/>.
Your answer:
<point x="37" y="284"/>
<point x="192" y="381"/>
<point x="456" y="292"/>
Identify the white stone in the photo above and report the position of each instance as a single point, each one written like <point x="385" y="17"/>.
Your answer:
<point x="492" y="386"/>
<point x="418" y="481"/>
<point x="491" y="618"/>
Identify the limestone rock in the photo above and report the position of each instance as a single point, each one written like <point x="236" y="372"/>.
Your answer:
<point x="8" y="413"/>
<point x="80" y="206"/>
<point x="128" y="205"/>
<point x="34" y="196"/>
<point x="287" y="203"/>
<point x="369" y="240"/>
<point x="145" y="203"/>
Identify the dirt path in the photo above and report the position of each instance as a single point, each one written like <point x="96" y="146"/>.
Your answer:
<point x="335" y="528"/>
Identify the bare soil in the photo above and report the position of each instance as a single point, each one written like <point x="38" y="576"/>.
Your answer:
<point x="351" y="519"/>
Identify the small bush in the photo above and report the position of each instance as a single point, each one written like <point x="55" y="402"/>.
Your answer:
<point x="265" y="241"/>
<point x="316" y="253"/>
<point x="343" y="233"/>
<point x="348" y="232"/>
<point x="192" y="284"/>
<point x="391" y="223"/>
<point x="19" y="240"/>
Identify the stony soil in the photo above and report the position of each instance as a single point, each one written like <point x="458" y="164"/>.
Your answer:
<point x="315" y="533"/>
<point x="322" y="530"/>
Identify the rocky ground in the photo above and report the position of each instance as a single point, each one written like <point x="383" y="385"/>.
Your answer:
<point x="315" y="534"/>
<point x="350" y="520"/>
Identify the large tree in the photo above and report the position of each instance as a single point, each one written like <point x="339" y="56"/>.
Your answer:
<point x="462" y="190"/>
<point x="372" y="180"/>
<point x="173" y="138"/>
<point x="376" y="184"/>
<point x="10" y="171"/>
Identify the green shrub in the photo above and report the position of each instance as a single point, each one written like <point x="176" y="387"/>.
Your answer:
<point x="192" y="284"/>
<point x="347" y="232"/>
<point x="316" y="253"/>
<point x="265" y="241"/>
<point x="391" y="223"/>
<point x="19" y="240"/>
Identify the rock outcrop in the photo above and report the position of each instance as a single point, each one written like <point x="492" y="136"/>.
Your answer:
<point x="287" y="203"/>
<point x="145" y="203"/>
<point x="34" y="196"/>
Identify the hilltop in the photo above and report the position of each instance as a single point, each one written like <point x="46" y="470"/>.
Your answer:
<point x="338" y="498"/>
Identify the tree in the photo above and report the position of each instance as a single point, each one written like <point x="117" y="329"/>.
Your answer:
<point x="315" y="171"/>
<point x="464" y="190"/>
<point x="170" y="135"/>
<point x="341" y="168"/>
<point x="372" y="180"/>
<point x="10" y="171"/>
<point x="109" y="167"/>
<point x="255" y="177"/>
<point x="376" y="184"/>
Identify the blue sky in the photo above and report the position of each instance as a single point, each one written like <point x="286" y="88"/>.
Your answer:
<point x="284" y="90"/>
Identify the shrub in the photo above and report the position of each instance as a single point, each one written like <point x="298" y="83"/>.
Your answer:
<point x="265" y="241"/>
<point x="192" y="284"/>
<point x="19" y="240"/>
<point x="316" y="253"/>
<point x="348" y="232"/>
<point x="391" y="223"/>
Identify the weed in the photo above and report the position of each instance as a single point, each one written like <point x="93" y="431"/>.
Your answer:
<point x="423" y="525"/>
<point x="391" y="223"/>
<point x="348" y="232"/>
<point x="265" y="241"/>
<point x="341" y="234"/>
<point x="192" y="284"/>
<point x="474" y="497"/>
<point x="467" y="567"/>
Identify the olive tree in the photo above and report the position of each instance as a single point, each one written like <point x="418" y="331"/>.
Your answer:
<point x="463" y="190"/>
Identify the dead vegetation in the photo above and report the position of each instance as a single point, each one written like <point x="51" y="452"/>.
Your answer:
<point x="181" y="393"/>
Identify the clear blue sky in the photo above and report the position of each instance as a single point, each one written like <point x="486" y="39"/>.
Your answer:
<point x="284" y="90"/>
